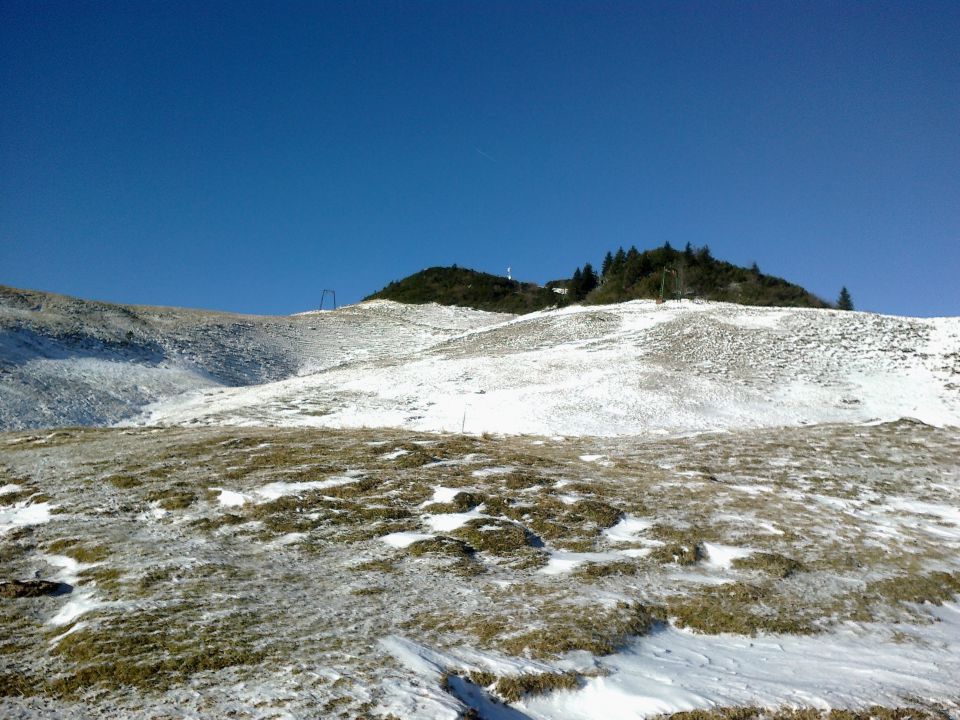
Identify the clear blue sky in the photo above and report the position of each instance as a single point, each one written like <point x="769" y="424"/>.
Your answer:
<point x="244" y="156"/>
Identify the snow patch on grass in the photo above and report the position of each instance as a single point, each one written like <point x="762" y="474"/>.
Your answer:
<point x="273" y="491"/>
<point x="404" y="539"/>
<point x="24" y="514"/>
<point x="721" y="556"/>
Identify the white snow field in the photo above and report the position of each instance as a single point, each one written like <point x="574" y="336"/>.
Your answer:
<point x="65" y="361"/>
<point x="391" y="511"/>
<point x="629" y="369"/>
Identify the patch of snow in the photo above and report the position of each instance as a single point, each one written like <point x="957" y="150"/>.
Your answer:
<point x="564" y="562"/>
<point x="81" y="599"/>
<point x="487" y="472"/>
<point x="442" y="495"/>
<point x="637" y="552"/>
<point x="627" y="529"/>
<point x="9" y="488"/>
<point x="231" y="498"/>
<point x="673" y="671"/>
<point x="23" y="514"/>
<point x="275" y="490"/>
<point x="721" y="556"/>
<point x="399" y="452"/>
<point x="403" y="539"/>
<point x="445" y="522"/>
<point x="752" y="489"/>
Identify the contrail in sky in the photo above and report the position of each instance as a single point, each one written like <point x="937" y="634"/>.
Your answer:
<point x="481" y="152"/>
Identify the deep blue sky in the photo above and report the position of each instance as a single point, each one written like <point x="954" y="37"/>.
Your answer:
<point x="244" y="156"/>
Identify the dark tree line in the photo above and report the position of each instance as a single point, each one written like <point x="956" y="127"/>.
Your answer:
<point x="632" y="273"/>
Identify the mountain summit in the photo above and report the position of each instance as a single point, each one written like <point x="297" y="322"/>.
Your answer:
<point x="692" y="273"/>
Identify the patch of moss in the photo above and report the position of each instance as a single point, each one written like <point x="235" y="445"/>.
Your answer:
<point x="602" y="514"/>
<point x="372" y="590"/>
<point x="494" y="536"/>
<point x="152" y="651"/>
<point x="441" y="545"/>
<point x="105" y="578"/>
<point x="461" y="502"/>
<point x="779" y="566"/>
<point x="515" y="687"/>
<point x="736" y="608"/>
<point x="415" y="457"/>
<point x="216" y="522"/>
<point x="599" y="631"/>
<point x="528" y="558"/>
<point x="124" y="481"/>
<point x="465" y="568"/>
<point x="79" y="550"/>
<point x="18" y="496"/>
<point x="19" y="684"/>
<point x="935" y="587"/>
<point x="385" y="565"/>
<point x="594" y="570"/>
<point x="521" y="480"/>
<point x="689" y="554"/>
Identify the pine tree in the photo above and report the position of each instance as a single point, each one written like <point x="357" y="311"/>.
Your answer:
<point x="632" y="267"/>
<point x="607" y="265"/>
<point x="844" y="302"/>
<point x="618" y="261"/>
<point x="575" y="288"/>
<point x="589" y="280"/>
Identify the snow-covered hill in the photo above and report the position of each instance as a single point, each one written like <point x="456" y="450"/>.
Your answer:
<point x="65" y="361"/>
<point x="635" y="368"/>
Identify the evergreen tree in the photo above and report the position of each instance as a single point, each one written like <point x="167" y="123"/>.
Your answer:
<point x="688" y="253"/>
<point x="575" y="289"/>
<point x="619" y="260"/>
<point x="607" y="264"/>
<point x="632" y="268"/>
<point x="646" y="264"/>
<point x="588" y="281"/>
<point x="844" y="302"/>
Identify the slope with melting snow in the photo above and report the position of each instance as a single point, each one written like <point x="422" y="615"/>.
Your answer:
<point x="65" y="361"/>
<point x="633" y="368"/>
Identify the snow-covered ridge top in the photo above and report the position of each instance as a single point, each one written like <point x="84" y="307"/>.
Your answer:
<point x="635" y="368"/>
<point x="632" y="368"/>
<point x="65" y="361"/>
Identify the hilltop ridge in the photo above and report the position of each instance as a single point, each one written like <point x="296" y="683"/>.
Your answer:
<point x="692" y="273"/>
<point x="468" y="288"/>
<point x="629" y="368"/>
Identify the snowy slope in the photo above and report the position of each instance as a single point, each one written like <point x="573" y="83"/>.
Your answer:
<point x="65" y="361"/>
<point x="634" y="368"/>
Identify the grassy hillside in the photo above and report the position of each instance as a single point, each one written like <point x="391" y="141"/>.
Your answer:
<point x="467" y="288"/>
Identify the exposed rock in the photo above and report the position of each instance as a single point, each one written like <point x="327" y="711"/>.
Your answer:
<point x="27" y="588"/>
